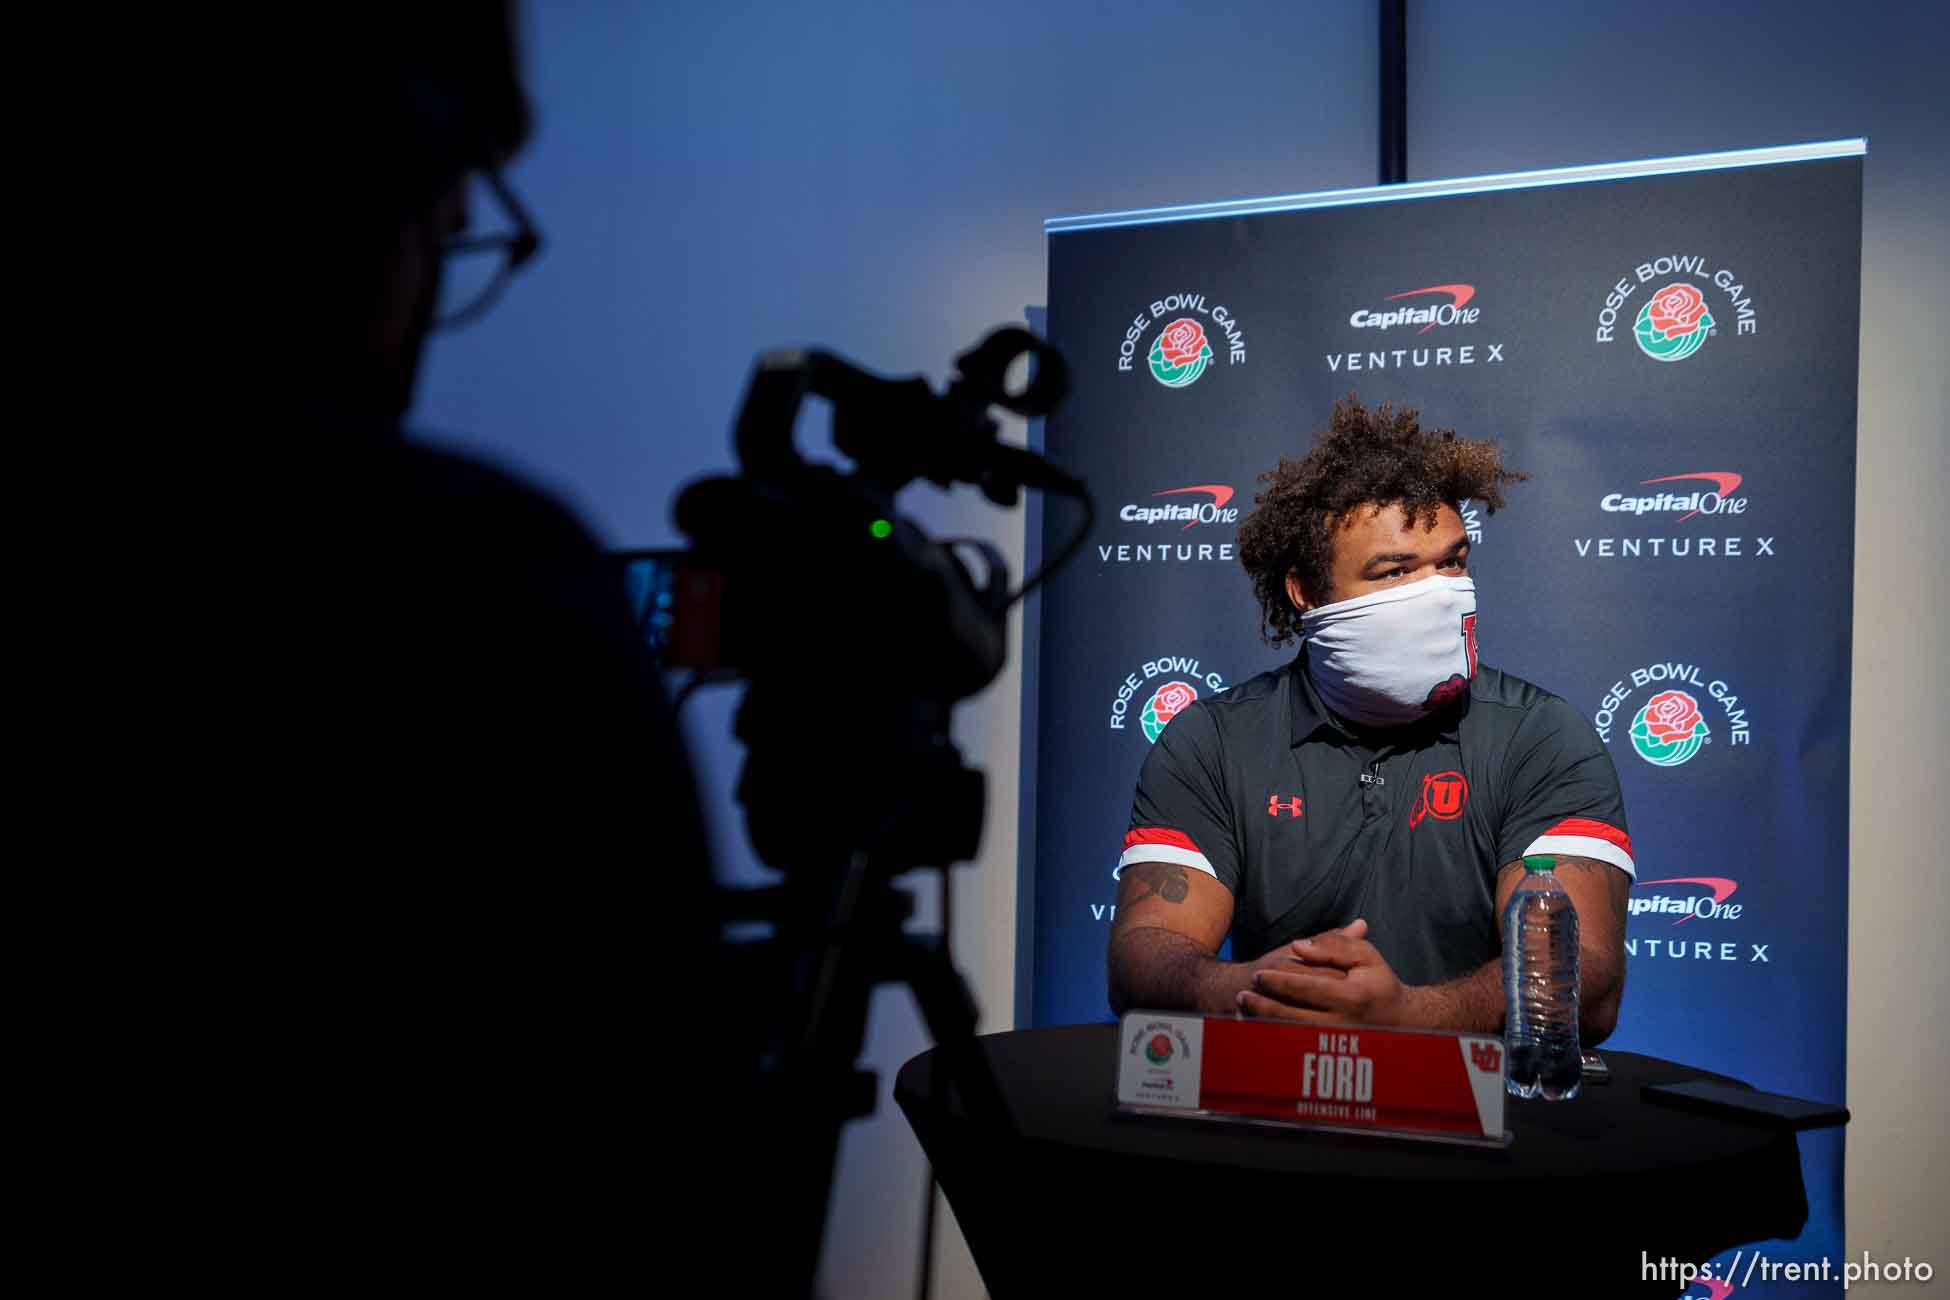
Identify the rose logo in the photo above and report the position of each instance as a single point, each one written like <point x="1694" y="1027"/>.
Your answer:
<point x="1180" y="353"/>
<point x="1669" y="729"/>
<point x="1676" y="310"/>
<point x="1673" y="323"/>
<point x="1670" y="716"/>
<point x="1158" y="1050"/>
<point x="1168" y="702"/>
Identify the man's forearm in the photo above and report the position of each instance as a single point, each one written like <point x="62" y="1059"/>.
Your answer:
<point x="1601" y="988"/>
<point x="1472" y="1002"/>
<point x="1160" y="969"/>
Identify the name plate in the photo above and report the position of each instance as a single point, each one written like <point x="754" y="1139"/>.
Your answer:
<point x="1417" y="1083"/>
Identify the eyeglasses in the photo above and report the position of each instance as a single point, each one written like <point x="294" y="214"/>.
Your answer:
<point x="478" y="267"/>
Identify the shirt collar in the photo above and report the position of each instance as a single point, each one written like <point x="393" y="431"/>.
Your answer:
<point x="1310" y="715"/>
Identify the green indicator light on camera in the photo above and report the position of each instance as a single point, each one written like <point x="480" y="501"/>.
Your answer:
<point x="881" y="528"/>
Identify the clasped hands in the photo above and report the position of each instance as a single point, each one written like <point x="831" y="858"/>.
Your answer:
<point x="1336" y="977"/>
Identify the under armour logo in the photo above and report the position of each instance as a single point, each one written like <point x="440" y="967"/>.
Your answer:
<point x="1292" y="807"/>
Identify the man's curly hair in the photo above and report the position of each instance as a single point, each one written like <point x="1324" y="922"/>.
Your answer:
<point x="1378" y="457"/>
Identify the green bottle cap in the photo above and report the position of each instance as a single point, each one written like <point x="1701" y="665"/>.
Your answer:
<point x="1539" y="862"/>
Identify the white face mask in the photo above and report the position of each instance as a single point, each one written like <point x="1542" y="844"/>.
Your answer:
<point x="1393" y="657"/>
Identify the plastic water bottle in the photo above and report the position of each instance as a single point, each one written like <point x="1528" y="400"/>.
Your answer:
<point x="1540" y="987"/>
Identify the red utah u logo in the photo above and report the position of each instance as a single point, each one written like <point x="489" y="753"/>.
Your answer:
<point x="1487" y="1056"/>
<point x="1443" y="797"/>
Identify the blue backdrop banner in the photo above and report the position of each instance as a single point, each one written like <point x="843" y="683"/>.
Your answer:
<point x="1668" y="349"/>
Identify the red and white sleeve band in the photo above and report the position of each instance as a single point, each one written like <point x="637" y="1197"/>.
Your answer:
<point x="1580" y="837"/>
<point x="1154" y="844"/>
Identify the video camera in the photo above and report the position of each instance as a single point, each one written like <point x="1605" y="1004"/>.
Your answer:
<point x="856" y="632"/>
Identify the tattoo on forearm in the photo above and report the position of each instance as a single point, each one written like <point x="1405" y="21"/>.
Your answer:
<point x="1160" y="880"/>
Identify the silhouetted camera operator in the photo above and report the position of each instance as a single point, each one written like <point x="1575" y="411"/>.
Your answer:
<point x="480" y="838"/>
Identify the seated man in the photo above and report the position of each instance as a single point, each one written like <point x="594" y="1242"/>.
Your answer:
<point x="1357" y="819"/>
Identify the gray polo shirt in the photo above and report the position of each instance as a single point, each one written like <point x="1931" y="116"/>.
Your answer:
<point x="1311" y="822"/>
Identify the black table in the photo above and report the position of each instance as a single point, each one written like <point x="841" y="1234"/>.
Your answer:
<point x="1082" y="1200"/>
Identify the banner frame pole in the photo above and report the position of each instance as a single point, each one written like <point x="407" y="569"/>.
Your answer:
<point x="1393" y="91"/>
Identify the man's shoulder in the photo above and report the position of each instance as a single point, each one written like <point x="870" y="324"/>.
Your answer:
<point x="1507" y="702"/>
<point x="1246" y="703"/>
<point x="1242" y="707"/>
<point x="451" y="497"/>
<point x="1255" y="689"/>
<point x="468" y="575"/>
